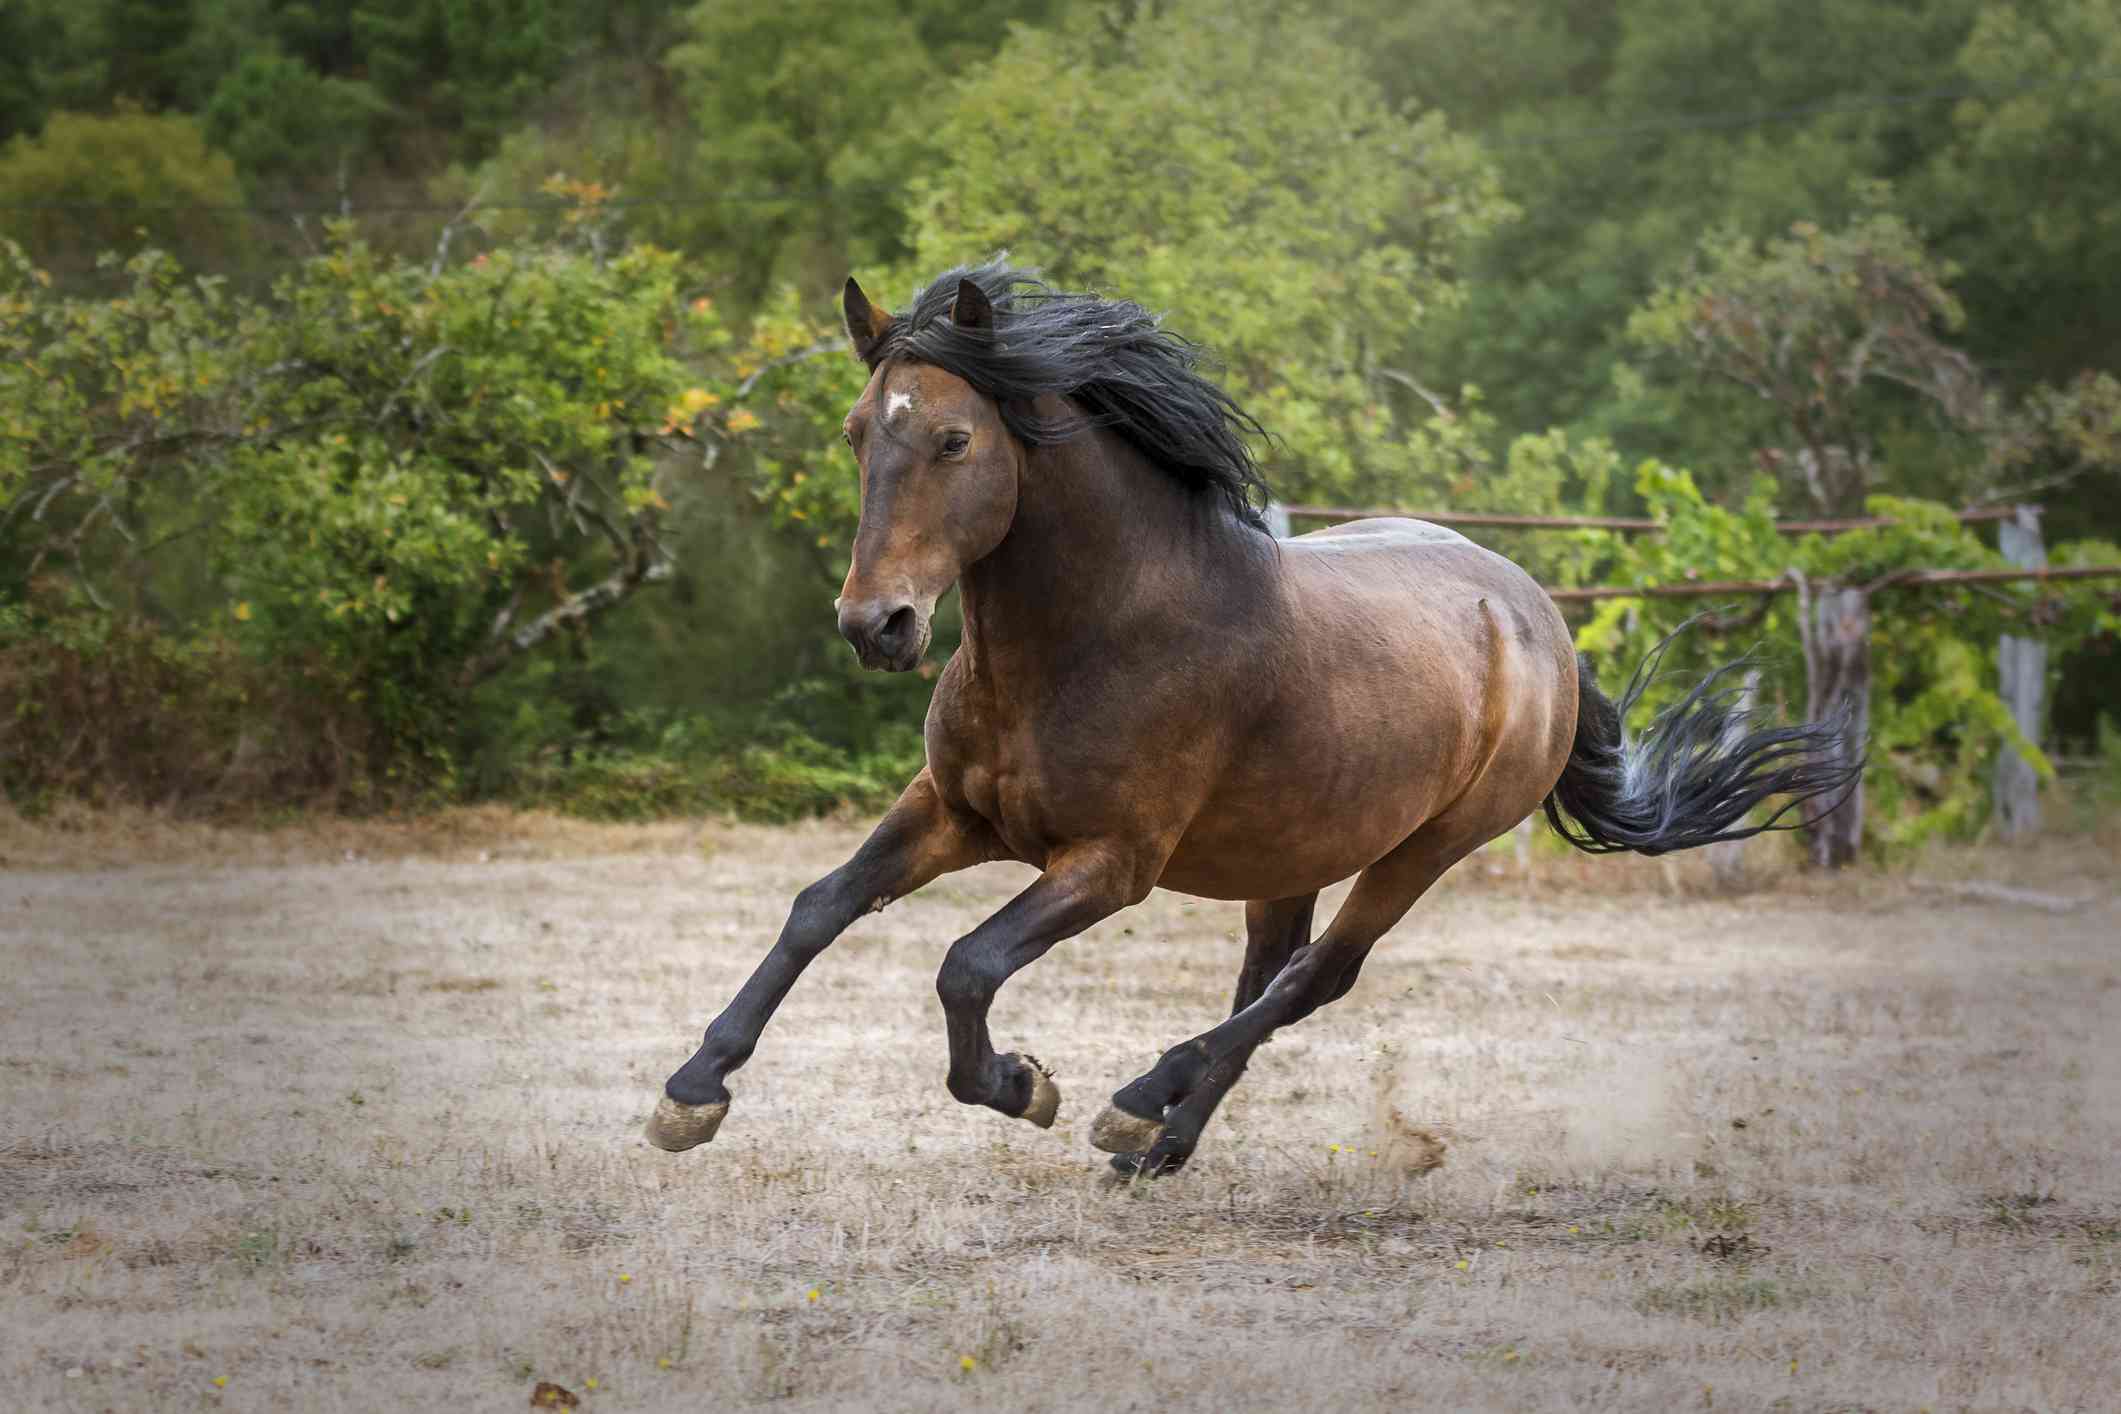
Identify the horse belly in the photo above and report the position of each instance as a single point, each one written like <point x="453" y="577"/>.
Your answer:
<point x="1311" y="807"/>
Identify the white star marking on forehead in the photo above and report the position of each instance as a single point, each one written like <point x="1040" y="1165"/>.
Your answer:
<point x="896" y="404"/>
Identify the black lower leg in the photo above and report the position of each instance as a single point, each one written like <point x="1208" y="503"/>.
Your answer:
<point x="1184" y="1121"/>
<point x="1275" y="931"/>
<point x="1067" y="898"/>
<point x="1176" y="1074"/>
<point x="821" y="913"/>
<point x="916" y="841"/>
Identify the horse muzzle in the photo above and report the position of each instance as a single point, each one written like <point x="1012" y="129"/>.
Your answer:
<point x="887" y="636"/>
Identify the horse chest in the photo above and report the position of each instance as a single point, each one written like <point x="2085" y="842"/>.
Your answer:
<point x="994" y="785"/>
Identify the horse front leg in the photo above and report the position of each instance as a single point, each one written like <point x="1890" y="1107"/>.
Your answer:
<point x="1078" y="889"/>
<point x="919" y="839"/>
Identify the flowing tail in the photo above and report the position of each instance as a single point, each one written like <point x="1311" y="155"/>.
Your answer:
<point x="1696" y="773"/>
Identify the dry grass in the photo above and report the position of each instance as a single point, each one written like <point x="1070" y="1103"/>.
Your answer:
<point x="365" y="1135"/>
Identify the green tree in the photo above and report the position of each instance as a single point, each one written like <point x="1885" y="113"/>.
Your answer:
<point x="1834" y="336"/>
<point x="812" y="118"/>
<point x="1841" y="343"/>
<point x="88" y="183"/>
<point x="288" y="128"/>
<point x="395" y="478"/>
<point x="1236" y="168"/>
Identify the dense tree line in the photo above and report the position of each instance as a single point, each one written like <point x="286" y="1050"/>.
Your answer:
<point x="1494" y="255"/>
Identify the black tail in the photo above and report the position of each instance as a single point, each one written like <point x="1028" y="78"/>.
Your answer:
<point x="1693" y="777"/>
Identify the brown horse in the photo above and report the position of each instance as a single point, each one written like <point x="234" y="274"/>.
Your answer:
<point x="1153" y="692"/>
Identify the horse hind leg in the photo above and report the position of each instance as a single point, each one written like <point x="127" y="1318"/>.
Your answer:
<point x="1274" y="930"/>
<point x="1314" y="976"/>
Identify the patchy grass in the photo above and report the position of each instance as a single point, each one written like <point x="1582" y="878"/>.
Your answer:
<point x="347" y="1118"/>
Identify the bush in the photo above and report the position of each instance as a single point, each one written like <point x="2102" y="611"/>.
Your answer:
<point x="92" y="183"/>
<point x="116" y="709"/>
<point x="787" y="776"/>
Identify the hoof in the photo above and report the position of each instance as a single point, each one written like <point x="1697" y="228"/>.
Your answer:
<point x="678" y="1127"/>
<point x="1147" y="1165"/>
<point x="1045" y="1095"/>
<point x="1117" y="1132"/>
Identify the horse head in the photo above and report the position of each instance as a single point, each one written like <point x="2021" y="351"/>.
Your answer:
<point x="939" y="477"/>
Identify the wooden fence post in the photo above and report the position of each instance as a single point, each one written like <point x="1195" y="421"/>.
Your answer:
<point x="2021" y="671"/>
<point x="1836" y="625"/>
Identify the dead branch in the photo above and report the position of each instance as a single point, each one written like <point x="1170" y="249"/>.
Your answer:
<point x="598" y="598"/>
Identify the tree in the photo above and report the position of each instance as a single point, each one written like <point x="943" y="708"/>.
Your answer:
<point x="1237" y="169"/>
<point x="88" y="184"/>
<point x="392" y="478"/>
<point x="1840" y="339"/>
<point x="288" y="128"/>
<point x="2020" y="186"/>
<point x="812" y="116"/>
<point x="1837" y="334"/>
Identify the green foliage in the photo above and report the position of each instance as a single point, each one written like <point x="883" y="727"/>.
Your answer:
<point x="1238" y="169"/>
<point x="288" y="128"/>
<point x="811" y="117"/>
<point x="1936" y="721"/>
<point x="2022" y="176"/>
<point x="1836" y="335"/>
<point x="337" y="484"/>
<point x="691" y="769"/>
<point x="90" y="183"/>
<point x="32" y="37"/>
<point x="383" y="465"/>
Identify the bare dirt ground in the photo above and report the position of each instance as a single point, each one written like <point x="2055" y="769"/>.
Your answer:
<point x="325" y="1122"/>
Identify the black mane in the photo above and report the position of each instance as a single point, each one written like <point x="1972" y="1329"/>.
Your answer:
<point x="1108" y="357"/>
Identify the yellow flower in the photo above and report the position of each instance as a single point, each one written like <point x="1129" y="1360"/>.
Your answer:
<point x="741" y="421"/>
<point x="221" y="1381"/>
<point x="625" y="1277"/>
<point x="813" y="1294"/>
<point x="243" y="613"/>
<point x="967" y="1363"/>
<point x="663" y="1363"/>
<point x="1464" y="1265"/>
<point x="589" y="1383"/>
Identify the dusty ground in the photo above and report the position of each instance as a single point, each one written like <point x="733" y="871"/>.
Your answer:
<point x="326" y="1124"/>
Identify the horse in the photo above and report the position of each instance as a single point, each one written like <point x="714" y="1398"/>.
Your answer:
<point x="1152" y="691"/>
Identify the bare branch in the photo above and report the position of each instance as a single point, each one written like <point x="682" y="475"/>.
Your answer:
<point x="1436" y="403"/>
<point x="420" y="366"/>
<point x="62" y="484"/>
<point x="449" y="231"/>
<point x="568" y="489"/>
<point x="598" y="598"/>
<point x="507" y="616"/>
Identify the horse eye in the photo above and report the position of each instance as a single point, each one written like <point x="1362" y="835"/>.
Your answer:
<point x="955" y="444"/>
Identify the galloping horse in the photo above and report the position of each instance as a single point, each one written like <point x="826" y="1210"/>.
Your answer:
<point x="1154" y="692"/>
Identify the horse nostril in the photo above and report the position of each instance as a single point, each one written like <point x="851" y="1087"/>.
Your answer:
<point x="897" y="631"/>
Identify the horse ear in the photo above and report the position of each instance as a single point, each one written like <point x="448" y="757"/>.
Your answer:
<point x="972" y="309"/>
<point x="866" y="324"/>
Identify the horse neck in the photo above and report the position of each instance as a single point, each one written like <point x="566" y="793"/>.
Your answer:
<point x="1105" y="545"/>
